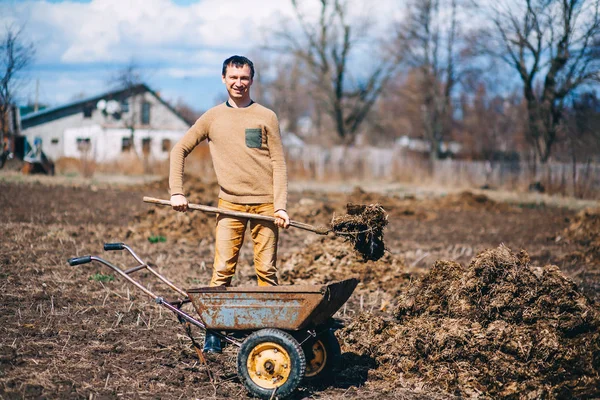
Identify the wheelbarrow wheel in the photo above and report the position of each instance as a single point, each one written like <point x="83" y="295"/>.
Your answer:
<point x="323" y="355"/>
<point x="271" y="363"/>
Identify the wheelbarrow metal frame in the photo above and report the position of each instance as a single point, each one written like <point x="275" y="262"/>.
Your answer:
<point x="282" y="318"/>
<point x="158" y="299"/>
<point x="294" y="308"/>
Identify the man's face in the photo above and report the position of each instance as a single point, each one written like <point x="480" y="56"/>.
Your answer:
<point x="238" y="81"/>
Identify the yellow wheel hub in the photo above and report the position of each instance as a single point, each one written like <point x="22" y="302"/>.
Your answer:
<point x="317" y="363"/>
<point x="269" y="365"/>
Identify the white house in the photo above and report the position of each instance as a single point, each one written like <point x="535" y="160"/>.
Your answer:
<point x="423" y="146"/>
<point x="102" y="127"/>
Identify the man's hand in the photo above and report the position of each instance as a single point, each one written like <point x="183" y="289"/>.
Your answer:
<point x="179" y="202"/>
<point x="282" y="219"/>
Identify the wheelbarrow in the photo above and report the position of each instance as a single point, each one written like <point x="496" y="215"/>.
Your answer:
<point x="284" y="333"/>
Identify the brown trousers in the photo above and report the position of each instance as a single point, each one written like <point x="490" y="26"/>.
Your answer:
<point x="229" y="238"/>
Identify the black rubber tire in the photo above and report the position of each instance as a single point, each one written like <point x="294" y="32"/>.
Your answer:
<point x="333" y="355"/>
<point x="294" y="352"/>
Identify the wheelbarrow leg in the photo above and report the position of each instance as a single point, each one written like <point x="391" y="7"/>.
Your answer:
<point x="188" y="330"/>
<point x="212" y="343"/>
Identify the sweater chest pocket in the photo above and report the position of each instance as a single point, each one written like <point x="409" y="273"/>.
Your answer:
<point x="254" y="138"/>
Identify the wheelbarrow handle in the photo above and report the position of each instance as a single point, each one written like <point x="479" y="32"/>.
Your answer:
<point x="215" y="210"/>
<point x="114" y="246"/>
<point x="79" y="260"/>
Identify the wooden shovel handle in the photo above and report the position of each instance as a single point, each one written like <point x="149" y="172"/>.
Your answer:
<point x="215" y="210"/>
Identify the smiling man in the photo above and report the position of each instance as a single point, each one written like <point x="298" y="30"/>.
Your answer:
<point x="245" y="146"/>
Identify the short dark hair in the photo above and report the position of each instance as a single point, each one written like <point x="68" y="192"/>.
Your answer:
<point x="238" y="61"/>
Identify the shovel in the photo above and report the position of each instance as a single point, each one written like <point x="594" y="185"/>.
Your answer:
<point x="215" y="210"/>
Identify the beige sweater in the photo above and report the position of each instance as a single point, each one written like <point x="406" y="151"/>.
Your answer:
<point x="247" y="155"/>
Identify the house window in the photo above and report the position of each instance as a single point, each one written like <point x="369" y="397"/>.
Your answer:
<point x="83" y="144"/>
<point x="166" y="145"/>
<point x="125" y="106"/>
<point x="87" y="111"/>
<point x="145" y="113"/>
<point x="126" y="144"/>
<point x="54" y="140"/>
<point x="146" y="145"/>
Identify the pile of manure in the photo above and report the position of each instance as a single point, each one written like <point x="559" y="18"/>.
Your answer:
<point x="496" y="328"/>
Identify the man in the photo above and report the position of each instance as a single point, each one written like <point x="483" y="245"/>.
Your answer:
<point x="245" y="146"/>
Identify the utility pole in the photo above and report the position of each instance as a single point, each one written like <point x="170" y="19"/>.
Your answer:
<point x="37" y="95"/>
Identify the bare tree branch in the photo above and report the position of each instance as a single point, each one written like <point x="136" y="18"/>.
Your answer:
<point x="549" y="44"/>
<point x="430" y="42"/>
<point x="325" y="47"/>
<point x="16" y="54"/>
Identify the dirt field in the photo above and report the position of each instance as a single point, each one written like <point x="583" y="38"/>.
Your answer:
<point x="434" y="318"/>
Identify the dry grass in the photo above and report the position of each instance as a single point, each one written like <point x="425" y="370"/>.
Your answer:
<point x="85" y="338"/>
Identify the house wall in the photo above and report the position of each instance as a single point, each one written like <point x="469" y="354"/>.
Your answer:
<point x="106" y="145"/>
<point x="161" y="117"/>
<point x="55" y="129"/>
<point x="105" y="131"/>
<point x="156" y="137"/>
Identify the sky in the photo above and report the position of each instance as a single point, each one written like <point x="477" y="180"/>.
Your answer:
<point x="179" y="45"/>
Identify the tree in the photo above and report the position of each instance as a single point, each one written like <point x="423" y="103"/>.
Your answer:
<point x="429" y="40"/>
<point x="189" y="114"/>
<point x="326" y="47"/>
<point x="129" y="78"/>
<point x="491" y="125"/>
<point x="553" y="46"/>
<point x="583" y="138"/>
<point x="16" y="54"/>
<point x="287" y="91"/>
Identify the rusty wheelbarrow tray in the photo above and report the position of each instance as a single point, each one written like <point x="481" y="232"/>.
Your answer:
<point x="288" y="329"/>
<point x="283" y="307"/>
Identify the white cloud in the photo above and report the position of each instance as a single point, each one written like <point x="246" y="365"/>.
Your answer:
<point x="174" y="42"/>
<point x="62" y="87"/>
<point x="190" y="72"/>
<point x="114" y="30"/>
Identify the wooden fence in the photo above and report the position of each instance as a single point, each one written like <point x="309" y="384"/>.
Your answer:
<point x="396" y="164"/>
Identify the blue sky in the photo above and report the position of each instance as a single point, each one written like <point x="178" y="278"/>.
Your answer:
<point x="179" y="44"/>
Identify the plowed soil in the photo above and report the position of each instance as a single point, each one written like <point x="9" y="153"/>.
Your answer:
<point x="473" y="298"/>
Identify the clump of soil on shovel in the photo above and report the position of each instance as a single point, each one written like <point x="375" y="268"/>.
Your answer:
<point x="496" y="328"/>
<point x="363" y="227"/>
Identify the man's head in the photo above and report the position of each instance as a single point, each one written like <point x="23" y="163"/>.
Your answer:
<point x="238" y="73"/>
<point x="238" y="61"/>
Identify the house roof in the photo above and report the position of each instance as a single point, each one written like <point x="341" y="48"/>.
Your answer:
<point x="65" y="110"/>
<point x="29" y="109"/>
